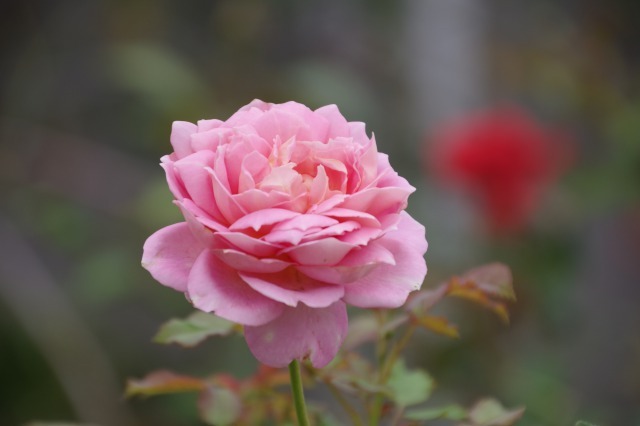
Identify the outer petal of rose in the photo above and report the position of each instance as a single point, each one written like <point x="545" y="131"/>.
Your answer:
<point x="258" y="219"/>
<point x="206" y="219"/>
<point x="365" y="219"/>
<point x="181" y="132"/>
<point x="338" y="126"/>
<point x="377" y="201"/>
<point x="215" y="287"/>
<point x="210" y="140"/>
<point x="368" y="163"/>
<point x="305" y="222"/>
<point x="328" y="251"/>
<point x="204" y="125"/>
<point x="291" y="287"/>
<point x="200" y="231"/>
<point x="354" y="266"/>
<point x="170" y="253"/>
<point x="196" y="179"/>
<point x="362" y="236"/>
<point x="254" y="200"/>
<point x="175" y="184"/>
<point x="249" y="244"/>
<point x="299" y="333"/>
<point x="247" y="263"/>
<point x="224" y="200"/>
<point x="389" y="177"/>
<point x="389" y="285"/>
<point x="332" y="231"/>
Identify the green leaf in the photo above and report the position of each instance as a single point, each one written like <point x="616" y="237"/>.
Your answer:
<point x="409" y="387"/>
<point x="219" y="406"/>
<point x="161" y="382"/>
<point x="448" y="412"/>
<point x="489" y="412"/>
<point x="192" y="330"/>
<point x="583" y="423"/>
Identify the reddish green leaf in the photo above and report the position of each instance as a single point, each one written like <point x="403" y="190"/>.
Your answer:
<point x="494" y="279"/>
<point x="219" y="406"/>
<point x="162" y="382"/>
<point x="423" y="300"/>
<point x="439" y="325"/>
<point x="192" y="330"/>
<point x="468" y="290"/>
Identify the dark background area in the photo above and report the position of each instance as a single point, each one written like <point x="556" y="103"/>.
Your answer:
<point x="88" y="91"/>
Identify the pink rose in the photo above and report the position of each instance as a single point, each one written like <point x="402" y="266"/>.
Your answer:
<point x="289" y="215"/>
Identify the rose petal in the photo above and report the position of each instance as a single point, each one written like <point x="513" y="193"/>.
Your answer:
<point x="354" y="266"/>
<point x="389" y="285"/>
<point x="247" y="263"/>
<point x="196" y="180"/>
<point x="211" y="139"/>
<point x="365" y="219"/>
<point x="289" y="237"/>
<point x="206" y="219"/>
<point x="175" y="185"/>
<point x="290" y="287"/>
<point x="361" y="237"/>
<point x="225" y="202"/>
<point x="332" y="231"/>
<point x="181" y="132"/>
<point x="215" y="287"/>
<point x="255" y="167"/>
<point x="204" y="125"/>
<point x="328" y="251"/>
<point x="255" y="200"/>
<point x="338" y="126"/>
<point x="319" y="186"/>
<point x="299" y="333"/>
<point x="260" y="218"/>
<point x="169" y="254"/>
<point x="307" y="221"/>
<point x="378" y="201"/>
<point x="200" y="231"/>
<point x="249" y="244"/>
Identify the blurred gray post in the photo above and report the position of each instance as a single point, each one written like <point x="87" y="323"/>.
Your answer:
<point x="446" y="50"/>
<point x="445" y="62"/>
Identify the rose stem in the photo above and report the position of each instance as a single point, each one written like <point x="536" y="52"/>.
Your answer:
<point x="298" y="393"/>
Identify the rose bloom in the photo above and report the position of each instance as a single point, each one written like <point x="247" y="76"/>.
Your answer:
<point x="290" y="214"/>
<point x="503" y="158"/>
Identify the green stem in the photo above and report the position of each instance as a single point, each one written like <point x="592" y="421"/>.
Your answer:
<point x="353" y="414"/>
<point x="298" y="393"/>
<point x="385" y="371"/>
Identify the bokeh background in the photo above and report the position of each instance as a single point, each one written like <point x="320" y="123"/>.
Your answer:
<point x="88" y="91"/>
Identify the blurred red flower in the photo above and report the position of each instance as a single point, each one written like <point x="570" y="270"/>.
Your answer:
<point x="503" y="158"/>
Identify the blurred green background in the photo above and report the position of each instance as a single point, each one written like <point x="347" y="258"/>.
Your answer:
<point x="88" y="91"/>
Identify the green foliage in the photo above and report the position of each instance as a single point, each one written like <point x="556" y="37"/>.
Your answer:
<point x="383" y="386"/>
<point x="447" y="412"/>
<point x="409" y="387"/>
<point x="193" y="330"/>
<point x="489" y="412"/>
<point x="163" y="382"/>
<point x="218" y="406"/>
